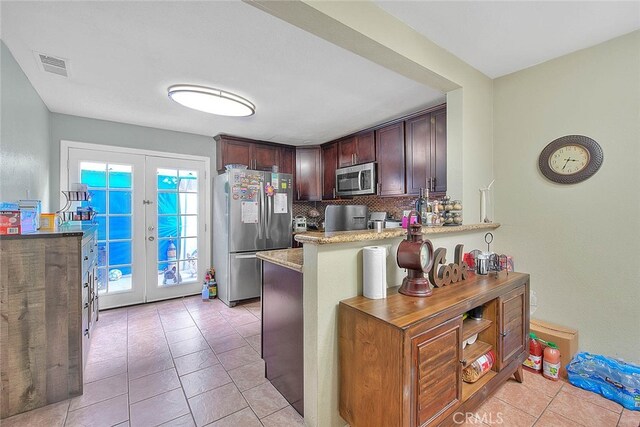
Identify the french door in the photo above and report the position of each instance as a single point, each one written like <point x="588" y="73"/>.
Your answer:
<point x="151" y="214"/>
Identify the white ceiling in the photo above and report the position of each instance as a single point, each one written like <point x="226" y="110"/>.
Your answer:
<point x="501" y="37"/>
<point x="123" y="56"/>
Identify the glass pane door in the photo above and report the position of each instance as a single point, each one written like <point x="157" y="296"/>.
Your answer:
<point x="175" y="227"/>
<point x="114" y="181"/>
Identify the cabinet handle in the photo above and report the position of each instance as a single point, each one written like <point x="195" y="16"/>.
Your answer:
<point x="355" y="156"/>
<point x="378" y="188"/>
<point x="433" y="184"/>
<point x="86" y="285"/>
<point x="86" y="258"/>
<point x="334" y="193"/>
<point x="86" y="332"/>
<point x="86" y="305"/>
<point x="504" y="334"/>
<point x="463" y="362"/>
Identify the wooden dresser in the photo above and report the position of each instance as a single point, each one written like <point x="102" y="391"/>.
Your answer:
<point x="401" y="358"/>
<point x="48" y="293"/>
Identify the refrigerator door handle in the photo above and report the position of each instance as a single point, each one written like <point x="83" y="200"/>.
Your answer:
<point x="245" y="256"/>
<point x="268" y="217"/>
<point x="260" y="212"/>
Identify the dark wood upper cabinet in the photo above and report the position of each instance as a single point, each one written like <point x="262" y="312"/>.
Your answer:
<point x="257" y="155"/>
<point x="265" y="157"/>
<point x="329" y="165"/>
<point x="229" y="151"/>
<point x="365" y="147"/>
<point x="439" y="155"/>
<point x="390" y="149"/>
<point x="346" y="151"/>
<point x="287" y="160"/>
<point x="426" y="147"/>
<point x="357" y="149"/>
<point x="308" y="174"/>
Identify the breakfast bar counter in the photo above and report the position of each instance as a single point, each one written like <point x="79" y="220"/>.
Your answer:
<point x="333" y="265"/>
<point x="323" y="238"/>
<point x="289" y="258"/>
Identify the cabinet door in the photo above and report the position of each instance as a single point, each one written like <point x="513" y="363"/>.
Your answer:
<point x="264" y="157"/>
<point x="365" y="147"/>
<point x="347" y="152"/>
<point x="437" y="372"/>
<point x="439" y="151"/>
<point x="232" y="151"/>
<point x="390" y="149"/>
<point x="329" y="164"/>
<point x="287" y="160"/>
<point x="308" y="174"/>
<point x="512" y="320"/>
<point x="418" y="146"/>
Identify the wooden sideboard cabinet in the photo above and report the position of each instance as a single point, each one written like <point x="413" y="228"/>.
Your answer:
<point x="401" y="358"/>
<point x="48" y="306"/>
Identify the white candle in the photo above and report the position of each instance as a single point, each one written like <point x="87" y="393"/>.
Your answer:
<point x="483" y="204"/>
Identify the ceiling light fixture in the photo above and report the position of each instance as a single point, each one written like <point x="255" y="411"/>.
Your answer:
<point x="213" y="101"/>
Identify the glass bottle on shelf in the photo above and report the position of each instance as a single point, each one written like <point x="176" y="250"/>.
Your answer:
<point x="423" y="207"/>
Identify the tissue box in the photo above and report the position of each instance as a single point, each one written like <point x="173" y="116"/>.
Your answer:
<point x="565" y="338"/>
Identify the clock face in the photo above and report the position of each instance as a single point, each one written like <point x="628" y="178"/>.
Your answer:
<point x="424" y="256"/>
<point x="569" y="159"/>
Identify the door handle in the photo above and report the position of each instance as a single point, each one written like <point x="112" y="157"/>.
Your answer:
<point x="151" y="238"/>
<point x="245" y="256"/>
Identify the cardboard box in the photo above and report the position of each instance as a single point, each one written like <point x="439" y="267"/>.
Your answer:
<point x="565" y="338"/>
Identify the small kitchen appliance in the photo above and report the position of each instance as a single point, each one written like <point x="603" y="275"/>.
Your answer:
<point x="346" y="217"/>
<point x="356" y="180"/>
<point x="299" y="224"/>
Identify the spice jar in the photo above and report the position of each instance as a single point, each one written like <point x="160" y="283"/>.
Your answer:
<point x="457" y="205"/>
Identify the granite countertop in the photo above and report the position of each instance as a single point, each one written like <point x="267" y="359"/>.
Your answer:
<point x="323" y="238"/>
<point x="289" y="258"/>
<point x="68" y="230"/>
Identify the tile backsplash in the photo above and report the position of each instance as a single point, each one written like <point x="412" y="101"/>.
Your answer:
<point x="392" y="205"/>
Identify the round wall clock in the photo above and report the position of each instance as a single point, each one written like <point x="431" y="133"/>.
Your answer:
<point x="570" y="159"/>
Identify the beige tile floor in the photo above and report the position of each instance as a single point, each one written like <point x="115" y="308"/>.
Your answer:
<point x="183" y="362"/>
<point x="186" y="362"/>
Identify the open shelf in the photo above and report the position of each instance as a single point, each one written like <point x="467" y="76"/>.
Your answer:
<point x="474" y="326"/>
<point x="475" y="350"/>
<point x="469" y="389"/>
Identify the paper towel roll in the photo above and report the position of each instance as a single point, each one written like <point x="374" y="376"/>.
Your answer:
<point x="374" y="272"/>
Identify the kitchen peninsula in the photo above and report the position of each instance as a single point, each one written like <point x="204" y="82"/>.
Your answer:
<point x="332" y="272"/>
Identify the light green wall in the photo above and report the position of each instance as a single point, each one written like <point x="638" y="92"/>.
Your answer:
<point x="24" y="136"/>
<point x="579" y="242"/>
<point x="82" y="129"/>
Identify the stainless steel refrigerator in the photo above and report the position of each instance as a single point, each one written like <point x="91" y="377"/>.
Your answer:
<point x="251" y="213"/>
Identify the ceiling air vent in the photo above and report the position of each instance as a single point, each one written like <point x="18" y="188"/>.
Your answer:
<point x="51" y="64"/>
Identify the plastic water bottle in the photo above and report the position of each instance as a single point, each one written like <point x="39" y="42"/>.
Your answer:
<point x="205" y="292"/>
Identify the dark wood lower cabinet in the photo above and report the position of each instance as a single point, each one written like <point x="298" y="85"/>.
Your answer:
<point x="401" y="358"/>
<point x="282" y="332"/>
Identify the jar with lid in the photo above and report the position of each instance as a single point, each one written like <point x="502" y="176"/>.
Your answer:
<point x="457" y="205"/>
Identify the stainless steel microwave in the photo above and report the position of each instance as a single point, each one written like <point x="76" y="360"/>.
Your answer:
<point x="356" y="180"/>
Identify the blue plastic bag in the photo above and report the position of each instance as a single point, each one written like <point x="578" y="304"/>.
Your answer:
<point x="614" y="379"/>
